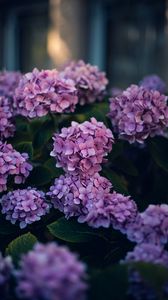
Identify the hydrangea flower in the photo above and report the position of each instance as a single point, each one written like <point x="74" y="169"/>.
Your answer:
<point x="153" y="82"/>
<point x="89" y="81"/>
<point x="138" y="113"/>
<point x="7" y="127"/>
<point x="148" y="253"/>
<point x="76" y="196"/>
<point x="12" y="163"/>
<point x="82" y="147"/>
<point x="9" y="81"/>
<point x="124" y="211"/>
<point x="151" y="226"/>
<point x="24" y="206"/>
<point x="90" y="200"/>
<point x="51" y="272"/>
<point x="40" y="92"/>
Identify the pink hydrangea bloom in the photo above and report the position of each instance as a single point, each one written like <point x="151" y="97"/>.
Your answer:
<point x="138" y="113"/>
<point x="90" y="200"/>
<point x="151" y="226"/>
<point x="9" y="81"/>
<point x="24" y="206"/>
<point x="89" y="81"/>
<point x="51" y="272"/>
<point x="7" y="127"/>
<point x="40" y="92"/>
<point x="12" y="163"/>
<point x="81" y="148"/>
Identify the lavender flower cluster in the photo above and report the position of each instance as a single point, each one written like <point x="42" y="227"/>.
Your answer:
<point x="40" y="92"/>
<point x="12" y="163"/>
<point x="138" y="113"/>
<point x="81" y="148"/>
<point x="7" y="127"/>
<point x="82" y="192"/>
<point x="24" y="206"/>
<point x="47" y="272"/>
<point x="89" y="81"/>
<point x="150" y="231"/>
<point x="51" y="272"/>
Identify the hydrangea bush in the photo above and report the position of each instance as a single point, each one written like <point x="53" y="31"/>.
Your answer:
<point x="83" y="186"/>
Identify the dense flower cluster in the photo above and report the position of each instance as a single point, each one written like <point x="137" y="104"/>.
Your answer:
<point x="89" y="81"/>
<point x="91" y="201"/>
<point x="12" y="163"/>
<point x="151" y="226"/>
<point x="8" y="83"/>
<point x="124" y="211"/>
<point x="24" y="206"/>
<point x="153" y="82"/>
<point x="138" y="113"/>
<point x="51" y="272"/>
<point x="40" y="92"/>
<point x="81" y="147"/>
<point x="7" y="127"/>
<point x="148" y="253"/>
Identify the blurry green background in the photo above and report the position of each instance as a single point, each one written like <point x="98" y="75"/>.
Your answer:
<point x="126" y="38"/>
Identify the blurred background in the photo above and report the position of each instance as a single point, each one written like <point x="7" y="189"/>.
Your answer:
<point x="126" y="38"/>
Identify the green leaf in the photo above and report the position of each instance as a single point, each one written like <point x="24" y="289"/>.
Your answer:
<point x="117" y="181"/>
<point x="72" y="231"/>
<point x="109" y="284"/>
<point x="158" y="148"/>
<point x="117" y="150"/>
<point x="51" y="165"/>
<point x="126" y="166"/>
<point x="25" y="147"/>
<point x="21" y="245"/>
<point x="39" y="176"/>
<point x="43" y="135"/>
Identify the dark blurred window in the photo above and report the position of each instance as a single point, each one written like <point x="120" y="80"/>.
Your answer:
<point x="137" y="41"/>
<point x="127" y="38"/>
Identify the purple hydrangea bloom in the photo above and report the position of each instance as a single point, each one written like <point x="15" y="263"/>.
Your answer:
<point x="89" y="81"/>
<point x="8" y="83"/>
<point x="12" y="163"/>
<point x="82" y="147"/>
<point x="51" y="272"/>
<point x="24" y="206"/>
<point x="153" y="82"/>
<point x="7" y="127"/>
<point x="124" y="211"/>
<point x="151" y="226"/>
<point x="76" y="196"/>
<point x="138" y="113"/>
<point x="90" y="200"/>
<point x="40" y="92"/>
<point x="148" y="253"/>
